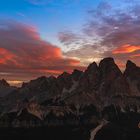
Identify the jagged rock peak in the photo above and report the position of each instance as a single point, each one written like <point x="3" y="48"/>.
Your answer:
<point x="76" y="74"/>
<point x="64" y="75"/>
<point x="42" y="78"/>
<point x="35" y="80"/>
<point x="90" y="78"/>
<point x="3" y="82"/>
<point x="92" y="67"/>
<point x="132" y="70"/>
<point x="107" y="61"/>
<point x="52" y="77"/>
<point x="75" y="71"/>
<point x="130" y="65"/>
<point x="108" y="64"/>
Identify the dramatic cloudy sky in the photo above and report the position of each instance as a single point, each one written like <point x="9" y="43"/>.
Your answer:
<point x="47" y="37"/>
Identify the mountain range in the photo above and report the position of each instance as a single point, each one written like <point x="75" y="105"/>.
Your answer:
<point x="101" y="92"/>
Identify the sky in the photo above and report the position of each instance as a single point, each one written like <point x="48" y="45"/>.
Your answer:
<point x="47" y="37"/>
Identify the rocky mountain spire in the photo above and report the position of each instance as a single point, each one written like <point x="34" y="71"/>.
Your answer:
<point x="90" y="78"/>
<point x="3" y="82"/>
<point x="108" y="69"/>
<point x="132" y="70"/>
<point x="132" y="74"/>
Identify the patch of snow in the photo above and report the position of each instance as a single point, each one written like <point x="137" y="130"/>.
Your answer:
<point x="99" y="127"/>
<point x="19" y="112"/>
<point x="122" y="110"/>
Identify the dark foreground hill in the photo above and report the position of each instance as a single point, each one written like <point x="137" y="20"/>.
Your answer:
<point x="99" y="103"/>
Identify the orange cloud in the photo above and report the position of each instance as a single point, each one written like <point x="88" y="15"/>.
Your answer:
<point x="135" y="55"/>
<point x="120" y="64"/>
<point x="126" y="49"/>
<point x="24" y="55"/>
<point x="5" y="56"/>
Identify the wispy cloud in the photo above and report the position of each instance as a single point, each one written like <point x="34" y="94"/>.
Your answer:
<point x="116" y="31"/>
<point x="39" y="2"/>
<point x="20" y="14"/>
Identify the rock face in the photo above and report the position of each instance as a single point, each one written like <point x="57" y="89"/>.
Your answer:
<point x="109" y="73"/>
<point x="90" y="79"/>
<point x="132" y="74"/>
<point x="81" y="96"/>
<point x="5" y="88"/>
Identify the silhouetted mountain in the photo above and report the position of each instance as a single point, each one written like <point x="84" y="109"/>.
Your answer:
<point x="132" y="74"/>
<point x="101" y="92"/>
<point x="5" y="88"/>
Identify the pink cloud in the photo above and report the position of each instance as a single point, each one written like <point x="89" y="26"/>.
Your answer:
<point x="24" y="55"/>
<point x="126" y="49"/>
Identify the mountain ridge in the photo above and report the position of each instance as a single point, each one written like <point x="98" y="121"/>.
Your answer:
<point x="76" y="94"/>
